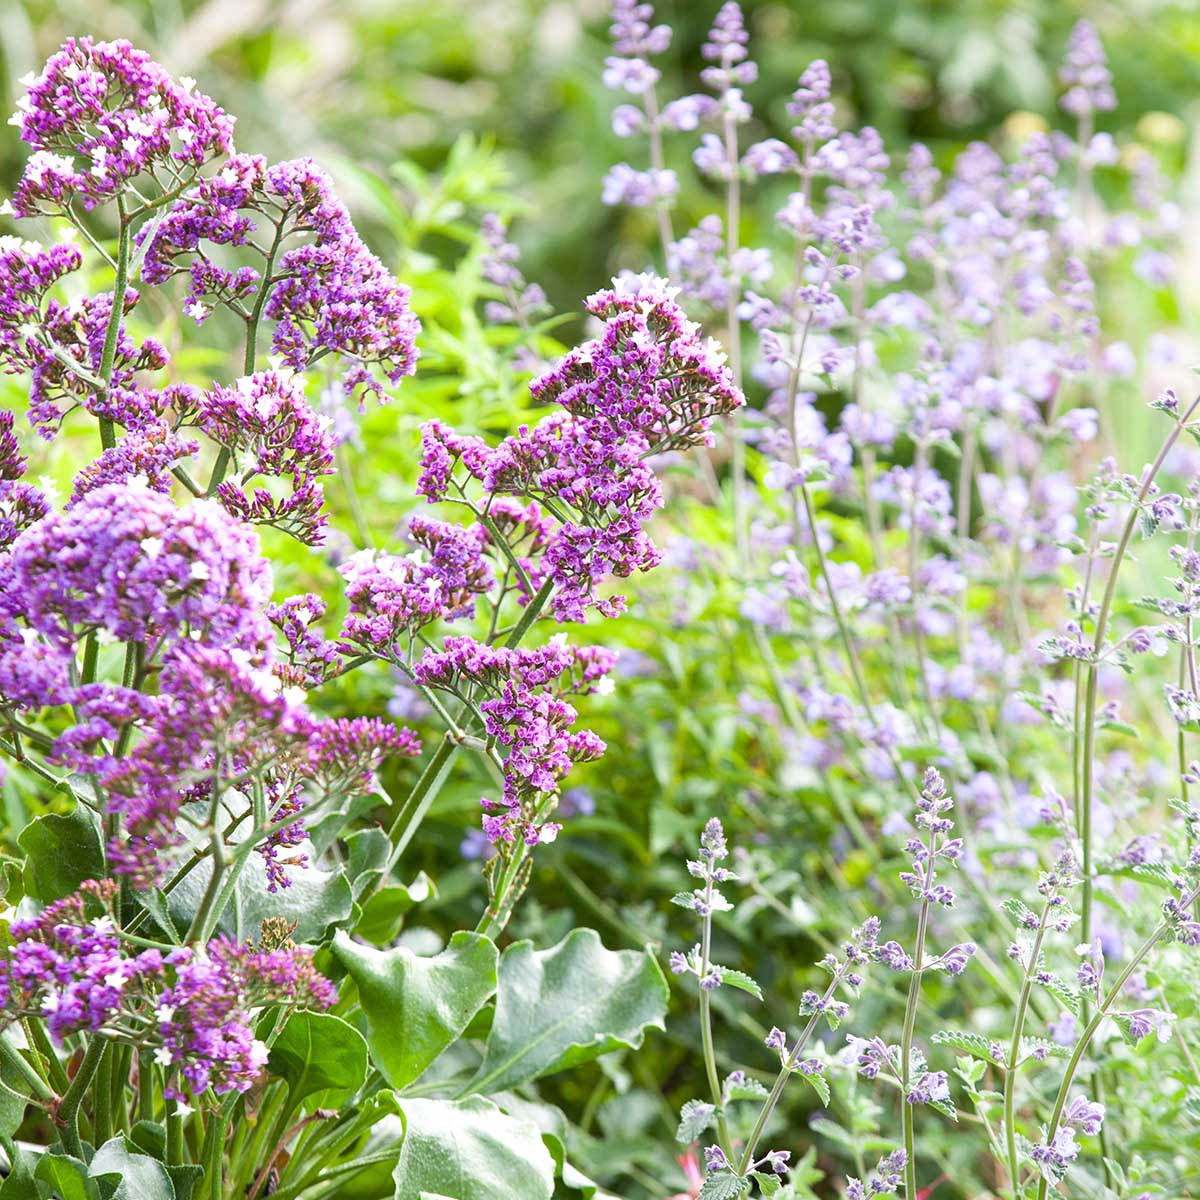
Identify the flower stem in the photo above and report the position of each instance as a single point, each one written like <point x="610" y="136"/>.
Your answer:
<point x="1089" y="1031"/>
<point x="1010" y="1076"/>
<point x="781" y="1080"/>
<point x="68" y="1109"/>
<point x="108" y="354"/>
<point x="1106" y="604"/>
<point x="706" y="1033"/>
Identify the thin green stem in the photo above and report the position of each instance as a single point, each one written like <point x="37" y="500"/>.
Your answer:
<point x="108" y="356"/>
<point x="1102" y="618"/>
<point x="1089" y="1031"/>
<point x="781" y="1079"/>
<point x="1014" y="1052"/>
<point x="706" y="1033"/>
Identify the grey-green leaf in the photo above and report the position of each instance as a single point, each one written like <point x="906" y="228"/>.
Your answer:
<point x="62" y="850"/>
<point x="470" y="1150"/>
<point x="124" y="1175"/>
<point x="317" y="1052"/>
<point x="567" y="1005"/>
<point x="694" y="1118"/>
<point x="416" y="1007"/>
<point x="723" y="1187"/>
<point x="741" y="981"/>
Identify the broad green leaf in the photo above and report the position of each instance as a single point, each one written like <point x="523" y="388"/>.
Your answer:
<point x="383" y="912"/>
<point x="470" y="1150"/>
<point x="124" y="1175"/>
<point x="66" y="1177"/>
<point x="61" y="852"/>
<point x="416" y="1007"/>
<point x="14" y="1099"/>
<point x="317" y="1052"/>
<point x="367" y="851"/>
<point x="568" y="1005"/>
<point x="316" y="899"/>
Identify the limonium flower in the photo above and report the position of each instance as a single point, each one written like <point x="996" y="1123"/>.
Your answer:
<point x="194" y="1008"/>
<point x="318" y="282"/>
<point x="102" y="114"/>
<point x="648" y="384"/>
<point x="522" y="696"/>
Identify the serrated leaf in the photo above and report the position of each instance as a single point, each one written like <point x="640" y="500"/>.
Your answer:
<point x="972" y="1043"/>
<point x="1049" y="1049"/>
<point x="1019" y="911"/>
<point x="820" y="1085"/>
<point x="741" y="981"/>
<point x="1066" y="995"/>
<point x="768" y="1185"/>
<point x="723" y="1186"/>
<point x="684" y="899"/>
<point x="694" y="1118"/>
<point x="944" y="1106"/>
<point x="747" y="1089"/>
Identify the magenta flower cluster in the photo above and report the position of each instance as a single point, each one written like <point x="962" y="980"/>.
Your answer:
<point x="522" y="695"/>
<point x="192" y="1008"/>
<point x="650" y="383"/>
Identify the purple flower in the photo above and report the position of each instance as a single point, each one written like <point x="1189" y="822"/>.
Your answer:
<point x="102" y="114"/>
<point x="325" y="291"/>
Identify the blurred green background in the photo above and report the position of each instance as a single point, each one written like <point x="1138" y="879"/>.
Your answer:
<point x="379" y="80"/>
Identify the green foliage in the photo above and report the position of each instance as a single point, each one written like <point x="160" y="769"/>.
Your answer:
<point x="416" y="1007"/>
<point x="470" y="1150"/>
<point x="567" y="1005"/>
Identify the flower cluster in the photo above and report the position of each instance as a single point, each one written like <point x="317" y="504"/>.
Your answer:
<point x="648" y="384"/>
<point x="391" y="597"/>
<point x="194" y="1008"/>
<point x="269" y="428"/>
<point x="522" y="697"/>
<point x="99" y="116"/>
<point x="313" y="275"/>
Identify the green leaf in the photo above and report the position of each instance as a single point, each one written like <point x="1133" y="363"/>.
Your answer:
<point x="972" y="1043"/>
<point x="741" y="981"/>
<point x="61" y="852"/>
<point x="384" y="911"/>
<point x="568" y="1005"/>
<point x="470" y="1150"/>
<point x="1048" y="1049"/>
<point x="367" y="855"/>
<point x="694" y="1118"/>
<point x="944" y="1106"/>
<point x="66" y="1177"/>
<point x="316" y="899"/>
<point x="723" y="1187"/>
<point x="416" y="1007"/>
<point x="1066" y="995"/>
<point x="747" y="1089"/>
<point x="768" y="1185"/>
<point x="821" y="1086"/>
<point x="317" y="1052"/>
<point x="123" y="1175"/>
